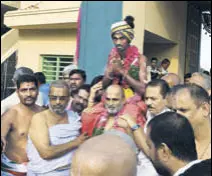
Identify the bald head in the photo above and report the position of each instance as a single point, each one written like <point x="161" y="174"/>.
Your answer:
<point x="115" y="89"/>
<point x="104" y="155"/>
<point x="201" y="80"/>
<point x="172" y="79"/>
<point x="114" y="99"/>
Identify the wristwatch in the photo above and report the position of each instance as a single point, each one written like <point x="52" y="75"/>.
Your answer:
<point x="135" y="127"/>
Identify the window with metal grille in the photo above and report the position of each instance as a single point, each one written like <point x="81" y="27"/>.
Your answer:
<point x="52" y="66"/>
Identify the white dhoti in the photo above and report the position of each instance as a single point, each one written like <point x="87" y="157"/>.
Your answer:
<point x="58" y="134"/>
<point x="62" y="172"/>
<point x="11" y="168"/>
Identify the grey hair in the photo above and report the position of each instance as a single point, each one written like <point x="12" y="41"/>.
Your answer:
<point x="206" y="80"/>
<point x="59" y="84"/>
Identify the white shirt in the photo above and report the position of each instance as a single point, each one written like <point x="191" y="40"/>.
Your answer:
<point x="163" y="71"/>
<point x="145" y="166"/>
<point x="13" y="99"/>
<point x="153" y="70"/>
<point x="151" y="116"/>
<point x="182" y="170"/>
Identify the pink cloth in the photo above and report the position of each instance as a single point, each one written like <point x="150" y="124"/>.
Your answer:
<point x="132" y="59"/>
<point x="134" y="107"/>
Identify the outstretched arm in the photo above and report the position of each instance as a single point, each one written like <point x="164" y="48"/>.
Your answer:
<point x="139" y="136"/>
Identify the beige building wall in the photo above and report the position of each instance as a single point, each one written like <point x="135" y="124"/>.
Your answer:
<point x="34" y="43"/>
<point x="15" y="4"/>
<point x="50" y="4"/>
<point x="163" y="18"/>
<point x="162" y="51"/>
<point x="166" y="19"/>
<point x="137" y="10"/>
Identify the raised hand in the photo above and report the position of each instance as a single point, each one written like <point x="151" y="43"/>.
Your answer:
<point x="96" y="87"/>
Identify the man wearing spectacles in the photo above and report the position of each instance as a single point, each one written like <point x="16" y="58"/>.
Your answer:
<point x="54" y="135"/>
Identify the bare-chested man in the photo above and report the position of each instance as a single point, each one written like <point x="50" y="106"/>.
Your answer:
<point x="53" y="135"/>
<point x="15" y="125"/>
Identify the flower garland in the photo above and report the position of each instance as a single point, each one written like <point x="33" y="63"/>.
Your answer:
<point x="130" y="63"/>
<point x="102" y="121"/>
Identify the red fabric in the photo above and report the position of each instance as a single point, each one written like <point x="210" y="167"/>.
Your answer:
<point x="15" y="173"/>
<point x="134" y="107"/>
<point x="131" y="54"/>
<point x="90" y="119"/>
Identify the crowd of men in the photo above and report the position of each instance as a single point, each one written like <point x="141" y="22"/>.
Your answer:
<point x="135" y="120"/>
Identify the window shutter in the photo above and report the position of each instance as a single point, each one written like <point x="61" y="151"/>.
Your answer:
<point x="52" y="66"/>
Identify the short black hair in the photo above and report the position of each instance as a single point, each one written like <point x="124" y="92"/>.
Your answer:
<point x="26" y="78"/>
<point x="187" y="75"/>
<point x="154" y="58"/>
<point x="164" y="87"/>
<point x="206" y="72"/>
<point x="176" y="132"/>
<point x="80" y="72"/>
<point x="85" y="87"/>
<point x="40" y="77"/>
<point x="197" y="93"/>
<point x="165" y="61"/>
<point x="22" y="71"/>
<point x="96" y="80"/>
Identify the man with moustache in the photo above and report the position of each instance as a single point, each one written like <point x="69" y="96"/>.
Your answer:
<point x="53" y="135"/>
<point x="155" y="98"/>
<point x="80" y="100"/>
<point x="77" y="78"/>
<point x="13" y="99"/>
<point x="171" y="156"/>
<point x="106" y="116"/>
<point x="15" y="125"/>
<point x="126" y="66"/>
<point x="192" y="101"/>
<point x="108" y="120"/>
